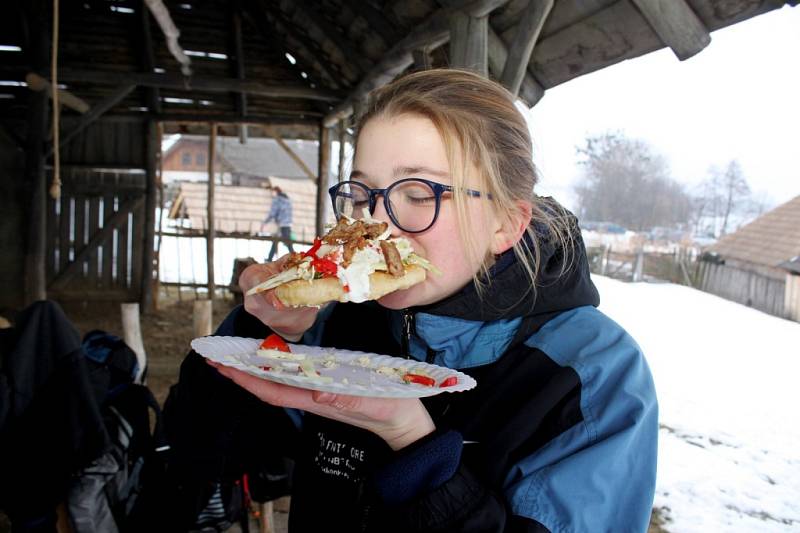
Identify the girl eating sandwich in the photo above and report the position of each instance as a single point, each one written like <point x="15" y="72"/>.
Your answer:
<point x="560" y="432"/>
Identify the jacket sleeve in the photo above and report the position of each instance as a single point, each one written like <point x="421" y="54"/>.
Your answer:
<point x="598" y="475"/>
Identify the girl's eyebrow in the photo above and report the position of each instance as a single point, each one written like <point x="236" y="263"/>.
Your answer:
<point x="402" y="172"/>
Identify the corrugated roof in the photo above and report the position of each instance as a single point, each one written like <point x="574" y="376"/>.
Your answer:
<point x="241" y="209"/>
<point x="771" y="239"/>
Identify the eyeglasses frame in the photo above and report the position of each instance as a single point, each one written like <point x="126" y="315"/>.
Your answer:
<point x="438" y="190"/>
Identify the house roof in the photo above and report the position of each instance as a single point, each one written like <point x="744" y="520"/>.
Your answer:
<point x="770" y="240"/>
<point x="259" y="156"/>
<point x="242" y="209"/>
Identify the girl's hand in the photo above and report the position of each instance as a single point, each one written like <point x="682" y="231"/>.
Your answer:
<point x="398" y="421"/>
<point x="288" y="322"/>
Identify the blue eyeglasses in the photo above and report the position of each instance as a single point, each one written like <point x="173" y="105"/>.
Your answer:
<point x="412" y="203"/>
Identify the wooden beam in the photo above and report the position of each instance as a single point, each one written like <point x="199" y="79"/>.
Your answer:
<point x="211" y="230"/>
<point x="108" y="227"/>
<point x="342" y="143"/>
<point x="268" y="23"/>
<point x="527" y="33"/>
<point x="469" y="42"/>
<point x="433" y="32"/>
<point x="180" y="83"/>
<point x="677" y="25"/>
<point x="38" y="83"/>
<point x="38" y="56"/>
<point x="286" y="148"/>
<point x="97" y="110"/>
<point x="148" y="58"/>
<point x="238" y="66"/>
<point x="325" y="138"/>
<point x="531" y="90"/>
<point x="350" y="55"/>
<point x="151" y="149"/>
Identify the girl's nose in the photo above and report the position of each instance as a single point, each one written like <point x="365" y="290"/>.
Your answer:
<point x="381" y="214"/>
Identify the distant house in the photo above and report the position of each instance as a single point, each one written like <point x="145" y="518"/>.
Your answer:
<point x="239" y="164"/>
<point x="246" y="173"/>
<point x="756" y="265"/>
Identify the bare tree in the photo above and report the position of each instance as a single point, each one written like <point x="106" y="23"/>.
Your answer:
<point x="626" y="182"/>
<point x="724" y="200"/>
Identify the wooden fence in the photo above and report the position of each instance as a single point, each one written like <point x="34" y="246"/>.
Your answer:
<point x="749" y="288"/>
<point x="752" y="289"/>
<point x="95" y="236"/>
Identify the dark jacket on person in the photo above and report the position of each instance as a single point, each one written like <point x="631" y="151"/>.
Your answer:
<point x="50" y="420"/>
<point x="560" y="433"/>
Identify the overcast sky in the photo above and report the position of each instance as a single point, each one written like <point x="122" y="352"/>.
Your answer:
<point x="737" y="99"/>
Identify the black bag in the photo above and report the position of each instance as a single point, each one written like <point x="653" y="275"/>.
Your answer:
<point x="119" y="490"/>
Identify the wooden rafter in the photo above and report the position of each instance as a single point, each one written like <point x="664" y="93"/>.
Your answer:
<point x="526" y="35"/>
<point x="337" y="38"/>
<point x="268" y="23"/>
<point x="676" y="24"/>
<point x="433" y="32"/>
<point x="531" y="91"/>
<point x="97" y="110"/>
<point x="174" y="81"/>
<point x="469" y="42"/>
<point x="148" y="57"/>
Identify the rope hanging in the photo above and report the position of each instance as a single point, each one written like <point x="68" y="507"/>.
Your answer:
<point x="55" y="186"/>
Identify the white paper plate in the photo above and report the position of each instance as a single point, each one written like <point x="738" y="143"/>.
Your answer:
<point x="351" y="372"/>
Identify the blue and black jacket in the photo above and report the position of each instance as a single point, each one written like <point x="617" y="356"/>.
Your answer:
<point x="559" y="434"/>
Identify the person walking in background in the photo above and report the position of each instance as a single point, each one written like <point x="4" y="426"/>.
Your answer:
<point x="281" y="213"/>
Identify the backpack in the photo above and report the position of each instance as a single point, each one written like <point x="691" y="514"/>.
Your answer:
<point x="113" y="493"/>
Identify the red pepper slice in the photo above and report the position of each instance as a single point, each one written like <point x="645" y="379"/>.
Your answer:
<point x="419" y="380"/>
<point x="274" y="342"/>
<point x="312" y="252"/>
<point x="326" y="267"/>
<point x="449" y="381"/>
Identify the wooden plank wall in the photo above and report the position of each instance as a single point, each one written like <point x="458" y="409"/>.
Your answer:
<point x="748" y="288"/>
<point x="89" y="201"/>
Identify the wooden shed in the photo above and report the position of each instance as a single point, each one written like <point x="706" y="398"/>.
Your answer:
<point x="86" y="93"/>
<point x="755" y="264"/>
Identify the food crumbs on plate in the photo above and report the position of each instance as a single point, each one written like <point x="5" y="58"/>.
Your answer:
<point x="363" y="361"/>
<point x="329" y="362"/>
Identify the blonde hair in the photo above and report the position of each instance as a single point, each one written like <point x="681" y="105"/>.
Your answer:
<point x="482" y="130"/>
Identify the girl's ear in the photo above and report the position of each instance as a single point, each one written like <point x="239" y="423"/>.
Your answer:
<point x="512" y="228"/>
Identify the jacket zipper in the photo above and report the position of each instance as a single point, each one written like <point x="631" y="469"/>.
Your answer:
<point x="405" y="337"/>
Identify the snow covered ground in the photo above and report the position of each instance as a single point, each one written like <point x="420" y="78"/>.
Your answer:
<point x="726" y="377"/>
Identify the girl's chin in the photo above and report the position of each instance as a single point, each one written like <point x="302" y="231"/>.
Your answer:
<point x="402" y="299"/>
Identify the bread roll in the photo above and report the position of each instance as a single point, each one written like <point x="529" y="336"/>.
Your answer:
<point x="301" y="292"/>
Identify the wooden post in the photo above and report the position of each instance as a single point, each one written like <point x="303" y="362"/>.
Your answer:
<point x="791" y="305"/>
<point x="212" y="230"/>
<point x="202" y="317"/>
<point x="520" y="50"/>
<point x="323" y="182"/>
<point x="146" y="285"/>
<point x="469" y="38"/>
<point x="132" y="335"/>
<point x="38" y="57"/>
<point x="638" y="266"/>
<point x="238" y="55"/>
<point x="342" y="143"/>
